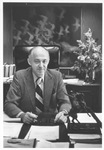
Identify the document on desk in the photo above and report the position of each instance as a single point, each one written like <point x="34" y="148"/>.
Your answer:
<point x="11" y="129"/>
<point x="85" y="118"/>
<point x="43" y="132"/>
<point x="46" y="144"/>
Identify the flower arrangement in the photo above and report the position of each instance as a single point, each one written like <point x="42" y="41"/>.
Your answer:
<point x="89" y="58"/>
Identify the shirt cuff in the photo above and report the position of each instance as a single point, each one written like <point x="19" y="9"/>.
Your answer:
<point x="19" y="114"/>
<point x="64" y="111"/>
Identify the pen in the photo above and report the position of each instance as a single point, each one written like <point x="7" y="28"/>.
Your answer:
<point x="35" y="142"/>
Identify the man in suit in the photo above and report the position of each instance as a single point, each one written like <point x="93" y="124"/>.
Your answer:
<point x="21" y="97"/>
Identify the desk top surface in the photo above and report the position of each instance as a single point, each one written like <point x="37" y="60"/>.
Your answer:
<point x="78" y="82"/>
<point x="82" y="117"/>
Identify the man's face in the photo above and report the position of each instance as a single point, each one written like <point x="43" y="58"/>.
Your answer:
<point x="39" y="59"/>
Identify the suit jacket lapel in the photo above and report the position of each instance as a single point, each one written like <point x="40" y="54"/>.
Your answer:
<point x="30" y="86"/>
<point x="48" y="86"/>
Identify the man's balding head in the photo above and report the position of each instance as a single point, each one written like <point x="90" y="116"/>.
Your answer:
<point x="38" y="59"/>
<point x="38" y="50"/>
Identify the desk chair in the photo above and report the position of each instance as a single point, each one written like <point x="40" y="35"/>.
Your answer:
<point x="20" y="55"/>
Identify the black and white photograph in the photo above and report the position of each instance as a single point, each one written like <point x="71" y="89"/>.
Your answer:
<point x="52" y="74"/>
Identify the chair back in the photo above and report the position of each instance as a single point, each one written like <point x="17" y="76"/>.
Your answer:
<point x="21" y="53"/>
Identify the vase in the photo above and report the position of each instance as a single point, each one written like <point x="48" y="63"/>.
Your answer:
<point x="87" y="77"/>
<point x="93" y="76"/>
<point x="90" y="76"/>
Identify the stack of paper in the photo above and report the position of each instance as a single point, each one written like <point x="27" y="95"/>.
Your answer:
<point x="84" y="145"/>
<point x="84" y="136"/>
<point x="85" y="139"/>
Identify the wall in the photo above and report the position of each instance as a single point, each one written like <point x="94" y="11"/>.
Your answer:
<point x="7" y="38"/>
<point x="91" y="17"/>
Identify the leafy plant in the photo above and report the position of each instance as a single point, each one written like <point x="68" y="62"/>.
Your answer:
<point x="89" y="55"/>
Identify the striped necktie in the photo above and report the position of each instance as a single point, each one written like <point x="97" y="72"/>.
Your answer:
<point x="39" y="96"/>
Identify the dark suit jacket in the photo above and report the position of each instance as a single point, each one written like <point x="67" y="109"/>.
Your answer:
<point x="21" y="95"/>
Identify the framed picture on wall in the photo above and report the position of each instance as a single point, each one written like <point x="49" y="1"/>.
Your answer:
<point x="48" y="24"/>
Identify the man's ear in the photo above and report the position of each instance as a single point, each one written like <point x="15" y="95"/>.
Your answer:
<point x="28" y="61"/>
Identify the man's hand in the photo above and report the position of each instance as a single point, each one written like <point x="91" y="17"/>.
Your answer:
<point x="28" y="117"/>
<point x="61" y="117"/>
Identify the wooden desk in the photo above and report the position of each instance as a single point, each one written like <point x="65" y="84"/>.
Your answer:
<point x="55" y="134"/>
<point x="92" y="92"/>
<point x="83" y="118"/>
